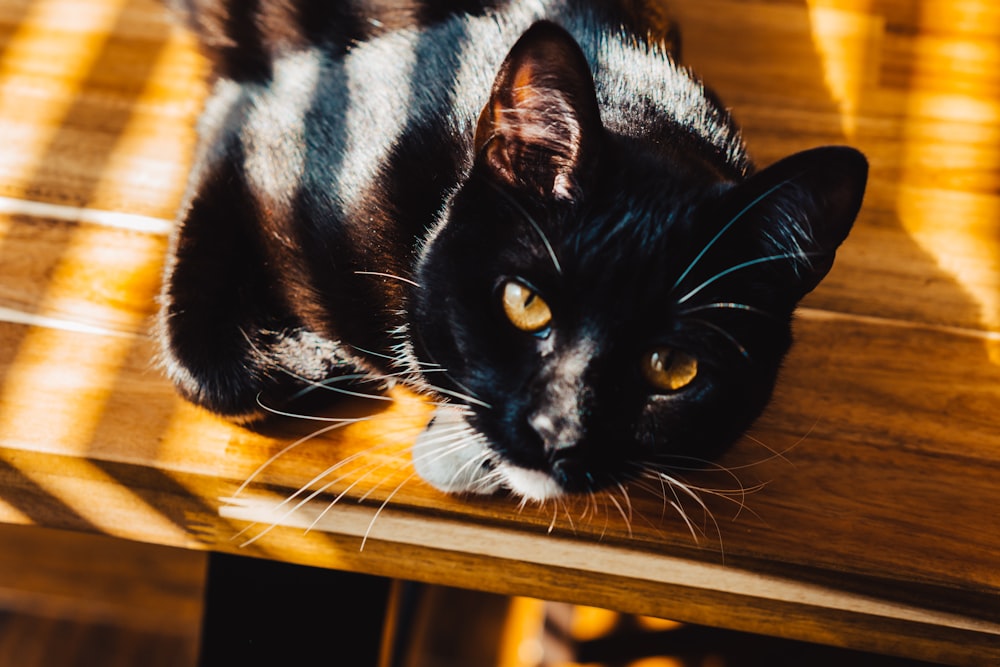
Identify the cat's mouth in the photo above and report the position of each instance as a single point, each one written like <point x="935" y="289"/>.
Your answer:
<point x="453" y="457"/>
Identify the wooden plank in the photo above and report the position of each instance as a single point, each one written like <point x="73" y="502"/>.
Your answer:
<point x="89" y="274"/>
<point x="140" y="464"/>
<point x="566" y="568"/>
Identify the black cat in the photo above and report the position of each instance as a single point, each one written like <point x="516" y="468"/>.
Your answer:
<point x="525" y="210"/>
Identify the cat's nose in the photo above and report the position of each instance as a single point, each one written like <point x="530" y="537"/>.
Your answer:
<point x="571" y="474"/>
<point x="556" y="431"/>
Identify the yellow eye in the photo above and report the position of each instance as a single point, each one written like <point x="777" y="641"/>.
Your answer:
<point x="524" y="308"/>
<point x="668" y="369"/>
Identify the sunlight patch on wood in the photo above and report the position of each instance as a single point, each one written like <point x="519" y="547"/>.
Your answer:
<point x="100" y="500"/>
<point x="99" y="280"/>
<point x="194" y="436"/>
<point x="64" y="368"/>
<point x="845" y="42"/>
<point x="951" y="138"/>
<point x="48" y="59"/>
<point x="149" y="155"/>
<point x="10" y="514"/>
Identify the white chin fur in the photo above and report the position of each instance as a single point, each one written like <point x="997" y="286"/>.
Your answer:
<point x="452" y="457"/>
<point x="531" y="484"/>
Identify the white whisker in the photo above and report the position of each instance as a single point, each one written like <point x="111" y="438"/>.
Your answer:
<point x="726" y="305"/>
<point x="585" y="514"/>
<point x="607" y="514"/>
<point x="340" y="495"/>
<point x="679" y="507"/>
<point x="381" y="507"/>
<point x="326" y="385"/>
<point x="489" y="482"/>
<point x="285" y="450"/>
<point x="725" y="334"/>
<point x="373" y="353"/>
<point x="741" y="266"/>
<point x="374" y="377"/>
<point x="775" y="454"/>
<point x="389" y="275"/>
<point x="520" y="209"/>
<point x="569" y="517"/>
<point x="460" y="396"/>
<point x="725" y="228"/>
<point x="621" y="510"/>
<point x="522" y="505"/>
<point x="678" y="485"/>
<point x="350" y="392"/>
<point x="302" y="489"/>
<point x="359" y="378"/>
<point x="476" y="461"/>
<point x="684" y="516"/>
<point x="305" y="417"/>
<point x="664" y="472"/>
<point x="628" y="500"/>
<point x="445" y="444"/>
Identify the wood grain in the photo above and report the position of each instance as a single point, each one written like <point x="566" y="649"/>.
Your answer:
<point x="860" y="511"/>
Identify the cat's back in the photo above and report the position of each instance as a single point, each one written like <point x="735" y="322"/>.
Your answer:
<point x="430" y="63"/>
<point x="365" y="121"/>
<point x="244" y="38"/>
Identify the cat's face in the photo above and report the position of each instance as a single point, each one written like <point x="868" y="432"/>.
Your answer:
<point x="610" y="309"/>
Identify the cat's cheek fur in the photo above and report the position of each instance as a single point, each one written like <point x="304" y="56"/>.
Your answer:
<point x="452" y="457"/>
<point x="529" y="484"/>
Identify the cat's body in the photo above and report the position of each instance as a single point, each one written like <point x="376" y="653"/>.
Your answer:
<point x="554" y="229"/>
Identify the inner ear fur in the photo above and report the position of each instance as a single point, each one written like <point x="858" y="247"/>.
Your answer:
<point x="541" y="128"/>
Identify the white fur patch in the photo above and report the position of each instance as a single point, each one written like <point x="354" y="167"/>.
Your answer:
<point x="558" y="419"/>
<point x="452" y="457"/>
<point x="531" y="484"/>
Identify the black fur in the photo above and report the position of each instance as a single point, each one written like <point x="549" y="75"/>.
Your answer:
<point x="454" y="146"/>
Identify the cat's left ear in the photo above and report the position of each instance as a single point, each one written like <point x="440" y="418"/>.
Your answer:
<point x="798" y="211"/>
<point x="541" y="128"/>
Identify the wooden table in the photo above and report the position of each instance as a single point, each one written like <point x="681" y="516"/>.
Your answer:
<point x="863" y="509"/>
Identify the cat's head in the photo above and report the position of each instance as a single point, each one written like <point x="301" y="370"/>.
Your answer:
<point x="611" y="306"/>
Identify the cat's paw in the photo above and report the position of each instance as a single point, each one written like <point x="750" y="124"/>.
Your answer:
<point x="247" y="377"/>
<point x="452" y="457"/>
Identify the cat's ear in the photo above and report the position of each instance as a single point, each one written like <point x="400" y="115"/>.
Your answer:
<point x="798" y="211"/>
<point x="541" y="127"/>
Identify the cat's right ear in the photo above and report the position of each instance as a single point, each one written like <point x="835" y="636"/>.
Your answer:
<point x="794" y="214"/>
<point x="541" y="128"/>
